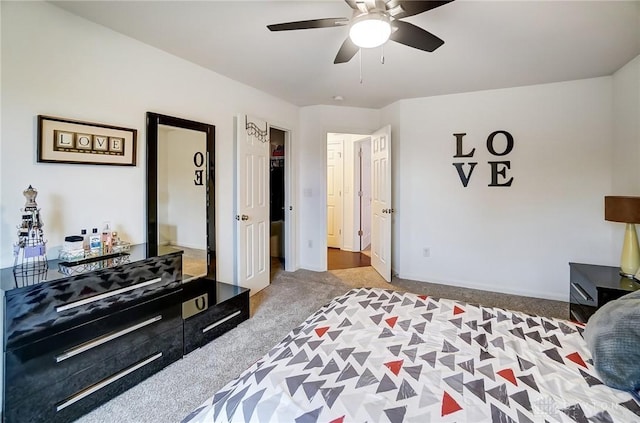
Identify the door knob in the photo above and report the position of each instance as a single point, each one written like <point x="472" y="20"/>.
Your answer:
<point x="244" y="217"/>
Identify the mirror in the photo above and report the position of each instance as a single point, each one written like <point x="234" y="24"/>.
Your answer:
<point x="180" y="191"/>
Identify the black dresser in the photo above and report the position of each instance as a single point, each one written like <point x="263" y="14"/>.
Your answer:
<point x="73" y="342"/>
<point x="592" y="286"/>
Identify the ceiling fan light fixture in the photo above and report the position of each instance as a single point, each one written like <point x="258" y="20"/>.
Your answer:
<point x="370" y="30"/>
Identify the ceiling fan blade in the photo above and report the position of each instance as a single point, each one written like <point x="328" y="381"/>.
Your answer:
<point x="346" y="52"/>
<point x="404" y="8"/>
<point x="313" y="23"/>
<point x="413" y="36"/>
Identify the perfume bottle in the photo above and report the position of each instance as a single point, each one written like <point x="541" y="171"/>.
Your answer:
<point x="85" y="240"/>
<point x="106" y="239"/>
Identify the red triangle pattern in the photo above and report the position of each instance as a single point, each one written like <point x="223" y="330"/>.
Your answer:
<point x="423" y="297"/>
<point x="338" y="420"/>
<point x="395" y="366"/>
<point x="575" y="357"/>
<point x="449" y="405"/>
<point x="322" y="331"/>
<point x="508" y="374"/>
<point x="391" y="321"/>
<point x="457" y="310"/>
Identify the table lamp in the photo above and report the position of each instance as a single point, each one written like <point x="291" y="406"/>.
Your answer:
<point x="626" y="210"/>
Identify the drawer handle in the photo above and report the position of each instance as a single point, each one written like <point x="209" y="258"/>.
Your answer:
<point x="104" y="339"/>
<point x="577" y="317"/>
<point x="90" y="390"/>
<point x="106" y="295"/>
<point x="221" y="321"/>
<point x="581" y="291"/>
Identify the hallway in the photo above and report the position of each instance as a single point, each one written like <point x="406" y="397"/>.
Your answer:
<point x="338" y="259"/>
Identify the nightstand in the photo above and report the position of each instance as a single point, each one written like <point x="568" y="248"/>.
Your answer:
<point x="592" y="286"/>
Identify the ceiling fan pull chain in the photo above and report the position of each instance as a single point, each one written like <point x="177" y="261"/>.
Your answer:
<point x="382" y="54"/>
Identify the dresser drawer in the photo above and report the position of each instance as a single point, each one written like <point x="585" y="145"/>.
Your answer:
<point x="69" y="399"/>
<point x="215" y="320"/>
<point x="35" y="312"/>
<point x="91" y="351"/>
<point x="582" y="291"/>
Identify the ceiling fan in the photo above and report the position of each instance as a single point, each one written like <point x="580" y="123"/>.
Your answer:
<point x="373" y="23"/>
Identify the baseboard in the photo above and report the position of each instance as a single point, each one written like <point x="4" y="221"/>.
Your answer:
<point x="489" y="288"/>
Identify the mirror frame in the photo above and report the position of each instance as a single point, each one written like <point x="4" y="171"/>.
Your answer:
<point x="153" y="120"/>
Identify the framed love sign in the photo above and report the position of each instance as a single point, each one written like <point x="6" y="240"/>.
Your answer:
<point x="68" y="141"/>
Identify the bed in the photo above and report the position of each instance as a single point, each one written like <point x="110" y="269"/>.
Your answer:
<point x="374" y="355"/>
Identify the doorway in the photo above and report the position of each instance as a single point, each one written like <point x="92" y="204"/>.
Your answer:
<point x="348" y="200"/>
<point x="277" y="188"/>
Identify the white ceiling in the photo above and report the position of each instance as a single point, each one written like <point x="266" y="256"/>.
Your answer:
<point x="488" y="44"/>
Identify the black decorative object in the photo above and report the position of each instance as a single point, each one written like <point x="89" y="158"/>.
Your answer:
<point x="30" y="252"/>
<point x="498" y="168"/>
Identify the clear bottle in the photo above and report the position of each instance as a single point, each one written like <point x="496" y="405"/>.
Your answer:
<point x="85" y="240"/>
<point x="106" y="239"/>
<point x="95" y="244"/>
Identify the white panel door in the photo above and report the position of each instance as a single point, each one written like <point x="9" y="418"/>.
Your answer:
<point x="334" y="194"/>
<point x="252" y="203"/>
<point x="381" y="202"/>
<point x="365" y="197"/>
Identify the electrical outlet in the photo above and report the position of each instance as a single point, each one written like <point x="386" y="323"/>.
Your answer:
<point x="426" y="252"/>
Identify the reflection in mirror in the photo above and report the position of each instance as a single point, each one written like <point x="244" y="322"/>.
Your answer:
<point x="180" y="191"/>
<point x="182" y="196"/>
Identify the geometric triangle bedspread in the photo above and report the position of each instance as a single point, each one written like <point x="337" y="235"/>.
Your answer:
<point x="374" y="355"/>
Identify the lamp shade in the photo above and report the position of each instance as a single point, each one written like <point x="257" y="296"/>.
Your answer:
<point x="370" y="30"/>
<point x="622" y="209"/>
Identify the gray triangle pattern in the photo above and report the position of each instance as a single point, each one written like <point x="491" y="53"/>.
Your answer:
<point x="249" y="405"/>
<point x="341" y="375"/>
<point x="361" y="357"/>
<point x="530" y="381"/>
<point x="330" y="395"/>
<point x="455" y="382"/>
<point x="405" y="391"/>
<point x="411" y="354"/>
<point x="413" y="371"/>
<point x="477" y="388"/>
<point x="500" y="393"/>
<point x="348" y="373"/>
<point x="386" y="384"/>
<point x="310" y="417"/>
<point x="311" y="388"/>
<point x="330" y="368"/>
<point x="294" y="382"/>
<point x="405" y="324"/>
<point x="420" y="327"/>
<point x="367" y="378"/>
<point x="396" y="415"/>
<point x="344" y="353"/>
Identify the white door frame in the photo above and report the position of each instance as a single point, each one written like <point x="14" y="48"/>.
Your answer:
<point x="290" y="188"/>
<point x="323" y="195"/>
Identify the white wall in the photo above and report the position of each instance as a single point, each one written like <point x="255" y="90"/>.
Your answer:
<point x="515" y="239"/>
<point x="626" y="139"/>
<point x="58" y="64"/>
<point x="315" y="123"/>
<point x="626" y="131"/>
